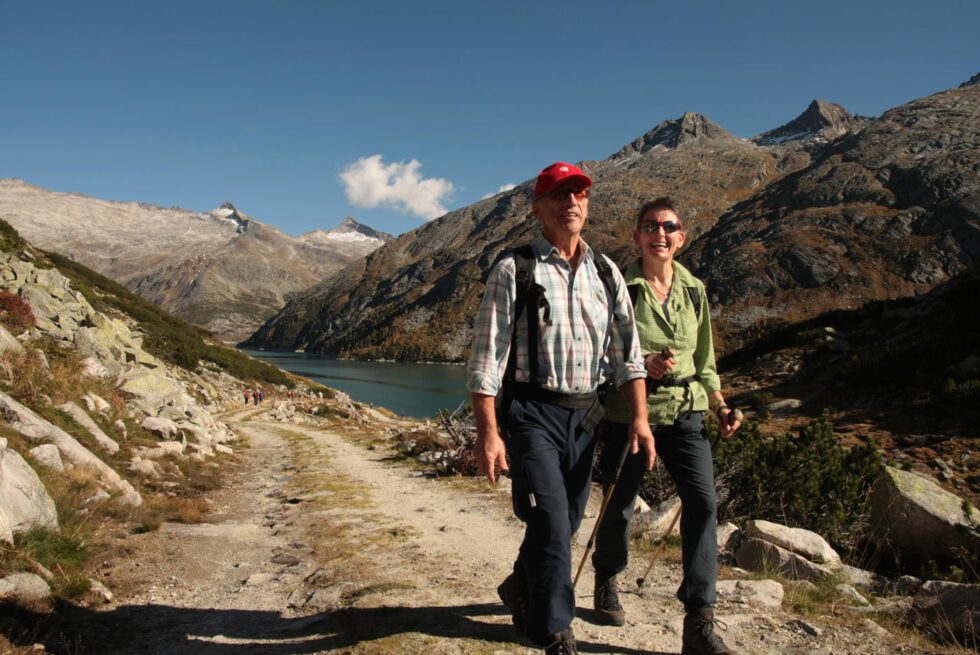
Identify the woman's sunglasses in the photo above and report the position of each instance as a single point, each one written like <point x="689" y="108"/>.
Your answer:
<point x="651" y="227"/>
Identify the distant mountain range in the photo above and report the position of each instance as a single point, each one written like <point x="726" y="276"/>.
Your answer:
<point x="222" y="270"/>
<point x="826" y="212"/>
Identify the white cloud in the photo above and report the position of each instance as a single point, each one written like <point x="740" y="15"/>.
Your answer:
<point x="506" y="187"/>
<point x="370" y="182"/>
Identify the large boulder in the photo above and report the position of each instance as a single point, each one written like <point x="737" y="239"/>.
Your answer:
<point x="21" y="588"/>
<point x="950" y="608"/>
<point x="24" y="502"/>
<point x="760" y="555"/>
<point x="914" y="516"/>
<point x="153" y="388"/>
<point x="807" y="544"/>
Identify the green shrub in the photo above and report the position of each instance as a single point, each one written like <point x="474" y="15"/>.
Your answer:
<point x="807" y="480"/>
<point x="10" y="240"/>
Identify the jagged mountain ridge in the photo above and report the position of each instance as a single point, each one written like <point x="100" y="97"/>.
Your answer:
<point x="223" y="270"/>
<point x="415" y="297"/>
<point x="885" y="212"/>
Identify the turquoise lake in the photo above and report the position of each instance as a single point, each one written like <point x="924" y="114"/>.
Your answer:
<point x="417" y="390"/>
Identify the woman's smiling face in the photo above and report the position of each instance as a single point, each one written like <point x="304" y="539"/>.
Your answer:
<point x="659" y="234"/>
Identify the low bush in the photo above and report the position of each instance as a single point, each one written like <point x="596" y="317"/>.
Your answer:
<point x="807" y="480"/>
<point x="15" y="313"/>
<point x="10" y="240"/>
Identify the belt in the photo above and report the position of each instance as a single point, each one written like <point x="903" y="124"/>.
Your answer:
<point x="673" y="381"/>
<point x="524" y="391"/>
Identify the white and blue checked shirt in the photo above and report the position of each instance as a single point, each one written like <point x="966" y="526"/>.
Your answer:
<point x="588" y="340"/>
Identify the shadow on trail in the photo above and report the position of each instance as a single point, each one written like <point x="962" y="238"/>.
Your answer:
<point x="166" y="630"/>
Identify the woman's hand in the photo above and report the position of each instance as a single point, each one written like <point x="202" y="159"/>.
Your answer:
<point x="729" y="420"/>
<point x="659" y="364"/>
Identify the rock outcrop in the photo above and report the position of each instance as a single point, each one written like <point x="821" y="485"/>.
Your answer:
<point x="223" y="270"/>
<point x="795" y="553"/>
<point x="920" y="520"/>
<point x="24" y="502"/>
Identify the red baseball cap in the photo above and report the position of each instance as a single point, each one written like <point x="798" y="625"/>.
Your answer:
<point x="551" y="177"/>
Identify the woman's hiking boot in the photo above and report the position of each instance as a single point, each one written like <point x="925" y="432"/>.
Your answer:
<point x="608" y="609"/>
<point x="564" y="644"/>
<point x="700" y="637"/>
<point x="513" y="593"/>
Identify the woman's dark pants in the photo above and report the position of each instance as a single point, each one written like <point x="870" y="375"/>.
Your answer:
<point x="685" y="451"/>
<point x="551" y="466"/>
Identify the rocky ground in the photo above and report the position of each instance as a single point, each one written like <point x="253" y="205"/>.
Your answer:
<point x="326" y="542"/>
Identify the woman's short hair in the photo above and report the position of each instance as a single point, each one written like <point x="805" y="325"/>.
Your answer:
<point x="659" y="204"/>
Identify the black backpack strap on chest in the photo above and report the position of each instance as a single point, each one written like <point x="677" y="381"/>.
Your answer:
<point x="530" y="299"/>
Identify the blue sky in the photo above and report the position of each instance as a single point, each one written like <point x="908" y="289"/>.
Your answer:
<point x="304" y="112"/>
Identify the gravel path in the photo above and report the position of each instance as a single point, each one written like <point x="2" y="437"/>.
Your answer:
<point x="324" y="545"/>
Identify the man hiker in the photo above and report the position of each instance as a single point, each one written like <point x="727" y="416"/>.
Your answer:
<point x="544" y="340"/>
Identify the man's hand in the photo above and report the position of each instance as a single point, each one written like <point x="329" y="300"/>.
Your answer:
<point x="661" y="363"/>
<point x="489" y="452"/>
<point x="642" y="437"/>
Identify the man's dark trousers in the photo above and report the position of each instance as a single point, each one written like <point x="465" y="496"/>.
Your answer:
<point x="685" y="451"/>
<point x="551" y="467"/>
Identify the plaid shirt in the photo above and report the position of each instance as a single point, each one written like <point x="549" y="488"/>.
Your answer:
<point x="589" y="339"/>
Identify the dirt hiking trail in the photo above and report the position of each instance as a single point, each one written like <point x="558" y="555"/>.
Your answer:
<point x="324" y="543"/>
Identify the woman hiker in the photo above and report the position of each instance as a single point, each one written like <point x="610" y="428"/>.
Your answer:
<point x="674" y="327"/>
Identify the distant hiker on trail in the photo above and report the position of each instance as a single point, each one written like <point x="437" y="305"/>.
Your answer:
<point x="255" y="396"/>
<point x="555" y="322"/>
<point x="248" y="394"/>
<point x="674" y="325"/>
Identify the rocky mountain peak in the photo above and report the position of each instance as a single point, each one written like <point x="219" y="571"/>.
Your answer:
<point x="973" y="81"/>
<point x="820" y="119"/>
<point x="689" y="128"/>
<point x="351" y="225"/>
<point x="228" y="212"/>
<point x="350" y="229"/>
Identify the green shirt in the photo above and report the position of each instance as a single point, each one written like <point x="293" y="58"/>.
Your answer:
<point x="687" y="332"/>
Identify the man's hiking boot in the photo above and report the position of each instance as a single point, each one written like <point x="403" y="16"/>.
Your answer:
<point x="700" y="637"/>
<point x="608" y="610"/>
<point x="513" y="593"/>
<point x="564" y="644"/>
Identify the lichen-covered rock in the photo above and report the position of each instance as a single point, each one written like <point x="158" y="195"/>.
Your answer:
<point x="919" y="519"/>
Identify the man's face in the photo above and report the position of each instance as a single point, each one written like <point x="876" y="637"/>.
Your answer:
<point x="562" y="212"/>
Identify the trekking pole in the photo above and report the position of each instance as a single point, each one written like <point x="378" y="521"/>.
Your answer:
<point x="602" y="511"/>
<point x="735" y="415"/>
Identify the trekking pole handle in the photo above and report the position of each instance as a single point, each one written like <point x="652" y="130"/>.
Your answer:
<point x="735" y="415"/>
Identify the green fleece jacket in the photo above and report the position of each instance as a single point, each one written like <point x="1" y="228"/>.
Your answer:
<point x="687" y="332"/>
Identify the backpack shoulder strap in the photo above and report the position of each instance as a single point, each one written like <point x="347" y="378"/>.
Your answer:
<point x="529" y="296"/>
<point x="695" y="294"/>
<point x="605" y="273"/>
